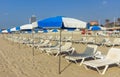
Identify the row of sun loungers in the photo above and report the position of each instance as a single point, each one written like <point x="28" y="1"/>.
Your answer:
<point x="103" y="42"/>
<point x="91" y="53"/>
<point x="83" y="40"/>
<point x="46" y="46"/>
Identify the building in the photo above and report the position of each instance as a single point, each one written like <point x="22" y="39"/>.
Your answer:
<point x="32" y="19"/>
<point x="94" y="23"/>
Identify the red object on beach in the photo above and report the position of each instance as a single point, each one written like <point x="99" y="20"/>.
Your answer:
<point x="83" y="31"/>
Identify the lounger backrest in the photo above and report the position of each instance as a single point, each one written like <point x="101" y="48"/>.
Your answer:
<point x="46" y="41"/>
<point x="116" y="41"/>
<point x="50" y="37"/>
<point x="91" y="39"/>
<point x="41" y="41"/>
<point x="105" y="40"/>
<point x="84" y="39"/>
<point x="114" y="54"/>
<point x="69" y="37"/>
<point x="91" y="49"/>
<point x="67" y="45"/>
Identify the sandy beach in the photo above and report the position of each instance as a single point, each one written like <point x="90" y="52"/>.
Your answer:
<point x="59" y="38"/>
<point x="18" y="61"/>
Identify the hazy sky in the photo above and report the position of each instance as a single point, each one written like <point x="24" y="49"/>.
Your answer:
<point x="17" y="12"/>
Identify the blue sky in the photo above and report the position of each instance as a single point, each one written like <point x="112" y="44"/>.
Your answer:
<point x="17" y="12"/>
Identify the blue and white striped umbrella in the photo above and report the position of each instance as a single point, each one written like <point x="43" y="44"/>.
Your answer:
<point x="71" y="29"/>
<point x="15" y="29"/>
<point x="27" y="27"/>
<point x="0" y="31"/>
<point x="54" y="30"/>
<point x="6" y="31"/>
<point x="96" y="28"/>
<point x="45" y="31"/>
<point x="61" y="22"/>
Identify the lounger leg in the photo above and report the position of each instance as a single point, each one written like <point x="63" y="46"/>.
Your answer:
<point x="75" y="61"/>
<point x="69" y="53"/>
<point x="57" y="54"/>
<point x="103" y="72"/>
<point x="86" y="67"/>
<point x="73" y="50"/>
<point x="94" y="57"/>
<point x="68" y="61"/>
<point x="72" y="60"/>
<point x="48" y="53"/>
<point x="82" y="61"/>
<point x="104" y="69"/>
<point x="98" y="70"/>
<point x="118" y="64"/>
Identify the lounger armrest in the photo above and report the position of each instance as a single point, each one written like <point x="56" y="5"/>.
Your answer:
<point x="99" y="55"/>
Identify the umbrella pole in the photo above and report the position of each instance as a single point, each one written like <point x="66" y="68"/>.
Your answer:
<point x="33" y="42"/>
<point x="33" y="50"/>
<point x="19" y="38"/>
<point x="95" y="36"/>
<point x="72" y="37"/>
<point x="12" y="37"/>
<point x="59" y="63"/>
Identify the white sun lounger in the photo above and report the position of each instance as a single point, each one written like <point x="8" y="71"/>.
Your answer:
<point x="67" y="47"/>
<point x="56" y="46"/>
<point x="82" y="40"/>
<point x="103" y="41"/>
<point x="115" y="42"/>
<point x="91" y="40"/>
<point x="89" y="52"/>
<point x="46" y="43"/>
<point x="113" y="57"/>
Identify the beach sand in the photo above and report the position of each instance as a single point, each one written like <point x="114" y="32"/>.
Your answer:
<point x="18" y="61"/>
